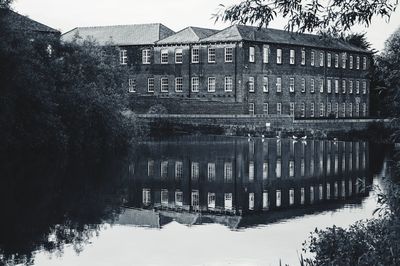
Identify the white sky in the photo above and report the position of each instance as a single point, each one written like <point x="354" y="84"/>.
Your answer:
<point x="175" y="14"/>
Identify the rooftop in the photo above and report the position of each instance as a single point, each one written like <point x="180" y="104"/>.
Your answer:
<point x="188" y="35"/>
<point x="268" y="35"/>
<point x="23" y="23"/>
<point x="137" y="34"/>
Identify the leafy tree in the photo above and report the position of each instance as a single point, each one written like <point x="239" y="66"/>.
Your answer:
<point x="308" y="15"/>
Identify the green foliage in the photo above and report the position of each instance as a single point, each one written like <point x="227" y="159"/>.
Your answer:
<point x="371" y="242"/>
<point x="71" y="99"/>
<point x="387" y="75"/>
<point x="329" y="16"/>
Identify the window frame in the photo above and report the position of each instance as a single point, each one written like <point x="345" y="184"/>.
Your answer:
<point x="164" y="54"/>
<point x="211" y="55"/>
<point x="228" y="56"/>
<point x="211" y="86"/>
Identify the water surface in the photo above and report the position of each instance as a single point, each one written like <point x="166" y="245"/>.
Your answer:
<point x="188" y="201"/>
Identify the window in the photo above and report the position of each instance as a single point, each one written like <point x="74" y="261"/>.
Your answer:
<point x="336" y="86"/>
<point x="351" y="62"/>
<point x="146" y="196"/>
<point x="252" y="54"/>
<point x="344" y="59"/>
<point x="251" y="171"/>
<point x="195" y="171"/>
<point x="311" y="194"/>
<point x="251" y="201"/>
<point x="279" y="56"/>
<point x="278" y="84"/>
<point x="358" y="62"/>
<point x="211" y="171"/>
<point x="123" y="57"/>
<point x="265" y="84"/>
<point x="329" y="86"/>
<point x="291" y="111"/>
<point x="303" y="57"/>
<point x="228" y="83"/>
<point x="150" y="85"/>
<point x="178" y="170"/>
<point x="312" y="110"/>
<point x="291" y="84"/>
<point x="357" y="109"/>
<point x="227" y="172"/>
<point x="251" y="84"/>
<point x="350" y="86"/>
<point x="195" y="84"/>
<point x="336" y="60"/>
<point x="178" y="56"/>
<point x="211" y="200"/>
<point x="164" y="56"/>
<point x="350" y="109"/>
<point x="321" y="59"/>
<point x="279" y="108"/>
<point x="265" y="108"/>
<point x="278" y="198"/>
<point x="195" y="55"/>
<point x="150" y="168"/>
<point x="343" y="86"/>
<point x="228" y="54"/>
<point x="251" y="108"/>
<point x="278" y="169"/>
<point x="265" y="200"/>
<point x="265" y="170"/>
<point x="303" y="109"/>
<point x="164" y="197"/>
<point x="328" y="108"/>
<point x="292" y="56"/>
<point x="178" y="198"/>
<point x="302" y="196"/>
<point x="291" y="196"/>
<point x="364" y="63"/>
<point x="132" y="85"/>
<point x="364" y="87"/>
<point x="303" y="85"/>
<point x="321" y="85"/>
<point x="358" y="87"/>
<point x="343" y="109"/>
<point x="195" y="199"/>
<point x="164" y="85"/>
<point x="179" y="84"/>
<point x="211" y="55"/>
<point x="146" y="56"/>
<point x="364" y="106"/>
<point x="337" y="109"/>
<point x="312" y="86"/>
<point x="211" y="84"/>
<point x="312" y="58"/>
<point x="329" y="59"/>
<point x="164" y="170"/>
<point x="228" y="201"/>
<point x="266" y="54"/>
<point x="321" y="109"/>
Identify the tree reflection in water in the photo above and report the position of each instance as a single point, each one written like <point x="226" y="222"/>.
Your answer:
<point x="47" y="204"/>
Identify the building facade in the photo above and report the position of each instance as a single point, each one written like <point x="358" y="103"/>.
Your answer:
<point x="242" y="70"/>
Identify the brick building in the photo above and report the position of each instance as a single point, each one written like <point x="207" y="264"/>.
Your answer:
<point x="240" y="70"/>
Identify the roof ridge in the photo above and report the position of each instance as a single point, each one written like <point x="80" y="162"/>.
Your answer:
<point x="118" y="25"/>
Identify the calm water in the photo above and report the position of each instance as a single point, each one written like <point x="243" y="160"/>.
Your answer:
<point x="186" y="201"/>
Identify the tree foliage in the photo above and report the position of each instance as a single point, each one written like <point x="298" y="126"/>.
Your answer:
<point x="308" y="15"/>
<point x="71" y="99"/>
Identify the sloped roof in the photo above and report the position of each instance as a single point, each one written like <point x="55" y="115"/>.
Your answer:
<point x="249" y="33"/>
<point x="188" y="35"/>
<point x="139" y="34"/>
<point x="23" y="23"/>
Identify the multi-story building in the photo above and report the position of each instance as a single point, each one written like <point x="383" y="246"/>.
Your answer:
<point x="240" y="70"/>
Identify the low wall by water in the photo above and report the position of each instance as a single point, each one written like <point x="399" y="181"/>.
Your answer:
<point x="268" y="122"/>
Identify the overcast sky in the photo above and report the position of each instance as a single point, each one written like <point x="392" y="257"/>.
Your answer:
<point x="175" y="14"/>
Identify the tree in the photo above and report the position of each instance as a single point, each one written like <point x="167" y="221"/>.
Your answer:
<point x="388" y="75"/>
<point x="308" y="15"/>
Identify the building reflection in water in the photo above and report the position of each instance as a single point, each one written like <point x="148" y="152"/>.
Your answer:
<point x="242" y="182"/>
